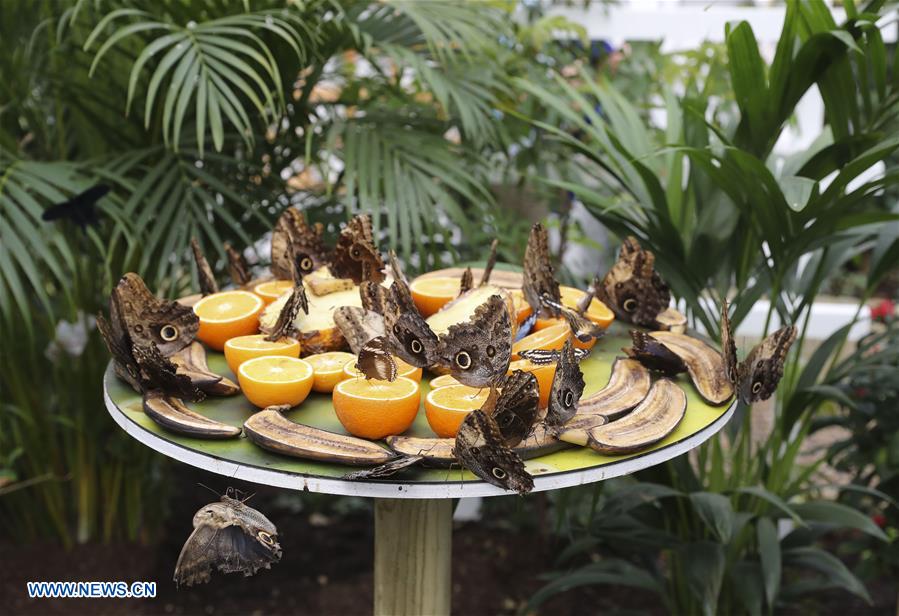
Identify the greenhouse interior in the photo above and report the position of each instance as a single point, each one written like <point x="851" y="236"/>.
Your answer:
<point x="414" y="307"/>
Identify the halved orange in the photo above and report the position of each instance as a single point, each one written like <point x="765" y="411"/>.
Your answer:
<point x="328" y="369"/>
<point x="431" y="294"/>
<point x="446" y="407"/>
<point x="375" y="409"/>
<point x="227" y="315"/>
<point x="550" y="339"/>
<point x="402" y="369"/>
<point x="271" y="290"/>
<point x="275" y="379"/>
<point x="555" y="321"/>
<point x="443" y="381"/>
<point x="544" y="375"/>
<point x="240" y="349"/>
<point x="597" y="311"/>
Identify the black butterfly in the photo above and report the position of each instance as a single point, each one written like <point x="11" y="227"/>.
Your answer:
<point x="80" y="208"/>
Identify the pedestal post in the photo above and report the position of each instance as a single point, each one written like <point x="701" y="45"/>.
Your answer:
<point x="413" y="556"/>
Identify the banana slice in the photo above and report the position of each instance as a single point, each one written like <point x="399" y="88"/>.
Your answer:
<point x="653" y="419"/>
<point x="191" y="361"/>
<point x="628" y="385"/>
<point x="172" y="414"/>
<point x="271" y="430"/>
<point x="439" y="451"/>
<point x="705" y="365"/>
<point x="577" y="429"/>
<point x="671" y="320"/>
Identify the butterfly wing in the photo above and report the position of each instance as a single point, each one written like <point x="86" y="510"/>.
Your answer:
<point x="466" y="283"/>
<point x="295" y="241"/>
<point x="515" y="409"/>
<point x="761" y="371"/>
<point x="375" y="360"/>
<point x="80" y="209"/>
<point x="479" y="448"/>
<point x="237" y="266"/>
<point x="411" y="336"/>
<point x="356" y="256"/>
<point x="633" y="289"/>
<point x="208" y="285"/>
<point x="728" y="346"/>
<point x="358" y="325"/>
<point x="478" y="351"/>
<point x="538" y="281"/>
<point x="158" y="372"/>
<point x="228" y="538"/>
<point x="169" y="325"/>
<point x="491" y="263"/>
<point x="544" y="357"/>
<point x="285" y="325"/>
<point x="567" y="388"/>
<point x="654" y="355"/>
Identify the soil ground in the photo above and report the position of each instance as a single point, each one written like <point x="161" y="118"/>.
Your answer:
<point x="326" y="568"/>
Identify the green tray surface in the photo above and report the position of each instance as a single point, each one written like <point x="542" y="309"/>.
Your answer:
<point x="318" y="411"/>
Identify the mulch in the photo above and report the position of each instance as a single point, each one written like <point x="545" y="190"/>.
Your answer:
<point x="326" y="567"/>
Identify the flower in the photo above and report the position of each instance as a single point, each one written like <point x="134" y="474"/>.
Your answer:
<point x="879" y="519"/>
<point x="883" y="310"/>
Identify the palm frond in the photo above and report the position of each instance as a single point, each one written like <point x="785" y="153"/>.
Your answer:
<point x="414" y="177"/>
<point x="220" y="68"/>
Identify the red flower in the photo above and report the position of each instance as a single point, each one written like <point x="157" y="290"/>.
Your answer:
<point x="885" y="308"/>
<point x="879" y="519"/>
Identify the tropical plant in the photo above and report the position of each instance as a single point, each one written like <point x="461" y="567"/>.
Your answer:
<point x="732" y="219"/>
<point x="207" y="119"/>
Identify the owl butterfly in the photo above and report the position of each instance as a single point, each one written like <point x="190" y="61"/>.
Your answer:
<point x="567" y="387"/>
<point x="479" y="447"/>
<point x="757" y="376"/>
<point x="375" y="360"/>
<point x="654" y="355"/>
<point x="117" y="340"/>
<point x="161" y="374"/>
<point x="237" y="267"/>
<point x="478" y="351"/>
<point x="356" y="256"/>
<point x="229" y="536"/>
<point x="409" y="334"/>
<point x="286" y="323"/>
<point x="543" y="357"/>
<point x="169" y="325"/>
<point x="295" y="241"/>
<point x="466" y="283"/>
<point x="541" y="290"/>
<point x="358" y="325"/>
<point x="208" y="285"/>
<point x="514" y="408"/>
<point x="582" y="328"/>
<point x="633" y="289"/>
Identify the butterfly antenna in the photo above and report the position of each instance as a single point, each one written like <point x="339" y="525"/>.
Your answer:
<point x="216" y="492"/>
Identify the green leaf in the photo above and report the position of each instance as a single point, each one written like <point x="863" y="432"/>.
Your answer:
<point x="611" y="571"/>
<point x="717" y="513"/>
<point x="705" y="564"/>
<point x="835" y="573"/>
<point x="839" y="516"/>
<point x="769" y="555"/>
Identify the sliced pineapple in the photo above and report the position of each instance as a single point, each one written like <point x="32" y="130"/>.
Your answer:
<point x="316" y="331"/>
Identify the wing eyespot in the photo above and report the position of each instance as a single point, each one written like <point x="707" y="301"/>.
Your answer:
<point x="168" y="333"/>
<point x="498" y="472"/>
<point x="463" y="360"/>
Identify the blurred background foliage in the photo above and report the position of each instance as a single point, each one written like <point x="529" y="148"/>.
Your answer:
<point x="453" y="123"/>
